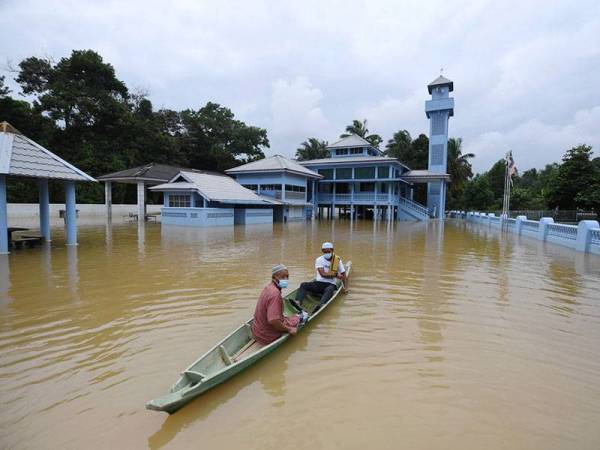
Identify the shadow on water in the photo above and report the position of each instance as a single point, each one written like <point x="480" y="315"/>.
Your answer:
<point x="270" y="372"/>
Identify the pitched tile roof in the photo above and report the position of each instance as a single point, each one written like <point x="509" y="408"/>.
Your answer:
<point x="148" y="172"/>
<point x="275" y="163"/>
<point x="21" y="156"/>
<point x="353" y="140"/>
<point x="213" y="187"/>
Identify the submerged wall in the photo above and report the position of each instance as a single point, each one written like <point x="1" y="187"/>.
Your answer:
<point x="583" y="237"/>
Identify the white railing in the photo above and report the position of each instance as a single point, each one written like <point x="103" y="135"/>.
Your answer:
<point x="360" y="197"/>
<point x="414" y="206"/>
<point x="584" y="237"/>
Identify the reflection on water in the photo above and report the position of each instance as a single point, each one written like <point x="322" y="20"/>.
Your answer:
<point x="451" y="333"/>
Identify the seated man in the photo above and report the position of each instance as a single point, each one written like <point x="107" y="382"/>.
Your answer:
<point x="329" y="268"/>
<point x="269" y="322"/>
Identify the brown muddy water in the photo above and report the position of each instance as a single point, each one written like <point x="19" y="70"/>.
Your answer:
<point x="452" y="336"/>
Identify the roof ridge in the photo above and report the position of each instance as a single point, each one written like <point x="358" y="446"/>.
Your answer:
<point x="6" y="127"/>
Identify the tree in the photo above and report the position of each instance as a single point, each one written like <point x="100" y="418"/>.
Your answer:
<point x="575" y="176"/>
<point x="478" y="194"/>
<point x="399" y="146"/>
<point x="215" y="140"/>
<point x="460" y="171"/>
<point x="312" y="149"/>
<point x="419" y="153"/>
<point x="4" y="90"/>
<point x="360" y="129"/>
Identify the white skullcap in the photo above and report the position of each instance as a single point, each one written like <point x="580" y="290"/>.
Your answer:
<point x="326" y="246"/>
<point x="277" y="268"/>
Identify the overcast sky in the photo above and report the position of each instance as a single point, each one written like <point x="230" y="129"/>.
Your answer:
<point x="526" y="73"/>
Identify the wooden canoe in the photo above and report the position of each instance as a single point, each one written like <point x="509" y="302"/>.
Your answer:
<point x="232" y="355"/>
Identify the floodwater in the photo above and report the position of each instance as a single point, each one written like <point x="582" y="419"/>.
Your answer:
<point x="452" y="336"/>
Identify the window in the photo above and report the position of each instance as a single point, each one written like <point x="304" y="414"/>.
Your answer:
<point x="342" y="151"/>
<point x="252" y="187"/>
<point x="270" y="187"/>
<point x="383" y="172"/>
<point x="343" y="174"/>
<point x="367" y="187"/>
<point x="364" y="172"/>
<point x="356" y="151"/>
<point x="327" y="173"/>
<point x="292" y="188"/>
<point x="180" y="201"/>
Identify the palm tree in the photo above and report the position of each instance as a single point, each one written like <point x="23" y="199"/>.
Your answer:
<point x="360" y="129"/>
<point x="399" y="146"/>
<point x="459" y="169"/>
<point x="312" y="149"/>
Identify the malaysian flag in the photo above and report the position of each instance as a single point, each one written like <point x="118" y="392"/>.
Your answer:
<point x="510" y="163"/>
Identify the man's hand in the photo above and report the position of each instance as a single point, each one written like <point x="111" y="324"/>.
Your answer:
<point x="292" y="331"/>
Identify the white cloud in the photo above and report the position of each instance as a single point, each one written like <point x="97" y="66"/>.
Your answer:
<point x="534" y="138"/>
<point x="296" y="114"/>
<point x="522" y="70"/>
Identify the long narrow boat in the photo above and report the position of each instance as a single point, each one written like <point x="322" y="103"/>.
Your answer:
<point x="233" y="354"/>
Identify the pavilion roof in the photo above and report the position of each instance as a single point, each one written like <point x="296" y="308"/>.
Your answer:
<point x="354" y="140"/>
<point x="23" y="157"/>
<point x="151" y="172"/>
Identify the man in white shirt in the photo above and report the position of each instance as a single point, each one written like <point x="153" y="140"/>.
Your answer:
<point x="329" y="268"/>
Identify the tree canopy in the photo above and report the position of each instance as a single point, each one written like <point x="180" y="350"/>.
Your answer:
<point x="360" y="129"/>
<point x="312" y="148"/>
<point x="84" y="113"/>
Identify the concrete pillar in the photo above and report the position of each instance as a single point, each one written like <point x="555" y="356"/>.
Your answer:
<point x="70" y="214"/>
<point x="44" y="201"/>
<point x="584" y="235"/>
<point x="389" y="215"/>
<point x="3" y="217"/>
<point x="108" y="198"/>
<point x="519" y="224"/>
<point x="543" y="229"/>
<point x="333" y="199"/>
<point x="141" y="201"/>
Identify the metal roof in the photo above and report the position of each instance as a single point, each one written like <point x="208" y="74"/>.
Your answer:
<point x="440" y="81"/>
<point x="152" y="172"/>
<point x="213" y="187"/>
<point x="275" y="163"/>
<point x="418" y="175"/>
<point x="353" y="140"/>
<point x="20" y="156"/>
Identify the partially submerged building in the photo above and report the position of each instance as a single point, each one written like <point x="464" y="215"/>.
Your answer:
<point x="286" y="182"/>
<point x="200" y="198"/>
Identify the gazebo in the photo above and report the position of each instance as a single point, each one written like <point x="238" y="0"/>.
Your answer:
<point x="23" y="158"/>
<point x="151" y="174"/>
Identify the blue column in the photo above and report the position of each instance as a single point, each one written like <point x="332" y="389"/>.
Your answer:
<point x="44" y="200"/>
<point x="70" y="214"/>
<point x="3" y="217"/>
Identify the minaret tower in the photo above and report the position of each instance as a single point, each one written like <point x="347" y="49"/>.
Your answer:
<point x="438" y="110"/>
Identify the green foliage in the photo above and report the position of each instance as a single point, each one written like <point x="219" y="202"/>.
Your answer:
<point x="574" y="184"/>
<point x="4" y="90"/>
<point x="86" y="115"/>
<point x="576" y="176"/>
<point x="313" y="148"/>
<point x="360" y="128"/>
<point x="460" y="171"/>
<point x="478" y="194"/>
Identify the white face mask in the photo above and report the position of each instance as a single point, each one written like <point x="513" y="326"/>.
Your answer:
<point x="327" y="255"/>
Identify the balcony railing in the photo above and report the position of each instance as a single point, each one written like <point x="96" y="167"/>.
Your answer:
<point x="414" y="206"/>
<point x="360" y="197"/>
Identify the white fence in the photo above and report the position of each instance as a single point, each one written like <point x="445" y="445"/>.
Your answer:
<point x="584" y="237"/>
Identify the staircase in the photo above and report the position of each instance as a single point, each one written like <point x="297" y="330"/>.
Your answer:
<point x="411" y="210"/>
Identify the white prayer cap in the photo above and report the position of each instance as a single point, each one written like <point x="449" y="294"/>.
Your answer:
<point x="277" y="268"/>
<point x="326" y="246"/>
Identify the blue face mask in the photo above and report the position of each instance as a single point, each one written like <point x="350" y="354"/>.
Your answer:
<point x="327" y="255"/>
<point x="282" y="284"/>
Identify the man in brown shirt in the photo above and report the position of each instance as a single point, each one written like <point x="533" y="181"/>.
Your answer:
<point x="269" y="322"/>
